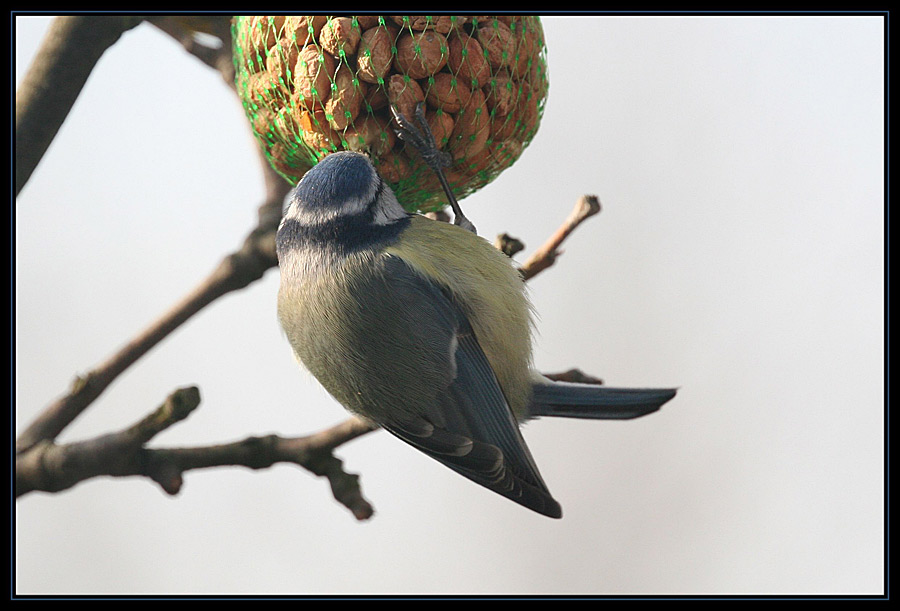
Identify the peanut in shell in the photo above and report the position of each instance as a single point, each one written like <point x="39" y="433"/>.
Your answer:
<point x="375" y="55"/>
<point x="447" y="92"/>
<point x="340" y="36"/>
<point x="420" y="54"/>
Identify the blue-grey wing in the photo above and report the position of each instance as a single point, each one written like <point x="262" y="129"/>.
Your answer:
<point x="469" y="427"/>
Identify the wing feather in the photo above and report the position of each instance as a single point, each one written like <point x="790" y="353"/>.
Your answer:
<point x="469" y="427"/>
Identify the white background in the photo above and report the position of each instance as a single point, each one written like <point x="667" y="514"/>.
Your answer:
<point x="739" y="256"/>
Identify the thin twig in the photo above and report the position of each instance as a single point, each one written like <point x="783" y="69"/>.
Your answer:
<point x="586" y="207"/>
<point x="573" y="375"/>
<point x="508" y="245"/>
<point x="439" y="215"/>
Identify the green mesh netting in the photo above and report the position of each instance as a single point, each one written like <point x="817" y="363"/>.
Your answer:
<point x="311" y="85"/>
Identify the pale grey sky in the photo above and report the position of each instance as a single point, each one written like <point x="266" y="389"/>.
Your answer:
<point x="739" y="256"/>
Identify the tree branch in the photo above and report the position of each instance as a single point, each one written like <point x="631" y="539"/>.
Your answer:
<point x="508" y="245"/>
<point x="586" y="207"/>
<point x="50" y="467"/>
<point x="185" y="29"/>
<point x="54" y="80"/>
<point x="312" y="452"/>
<point x="573" y="375"/>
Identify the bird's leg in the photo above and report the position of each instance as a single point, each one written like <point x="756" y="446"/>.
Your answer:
<point x="422" y="139"/>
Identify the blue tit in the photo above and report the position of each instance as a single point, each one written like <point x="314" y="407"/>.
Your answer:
<point x="423" y="328"/>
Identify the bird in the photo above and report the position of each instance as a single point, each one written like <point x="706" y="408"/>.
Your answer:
<point x="424" y="328"/>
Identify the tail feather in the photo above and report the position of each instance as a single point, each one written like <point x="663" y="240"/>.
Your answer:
<point x="573" y="400"/>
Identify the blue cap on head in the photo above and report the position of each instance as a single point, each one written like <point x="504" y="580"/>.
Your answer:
<point x="340" y="177"/>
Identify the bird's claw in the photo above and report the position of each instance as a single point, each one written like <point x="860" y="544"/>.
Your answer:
<point x="421" y="137"/>
<point x="423" y="140"/>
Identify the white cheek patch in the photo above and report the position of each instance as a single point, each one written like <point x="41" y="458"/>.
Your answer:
<point x="320" y="215"/>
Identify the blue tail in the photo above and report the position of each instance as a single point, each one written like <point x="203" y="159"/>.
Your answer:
<point x="573" y="400"/>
